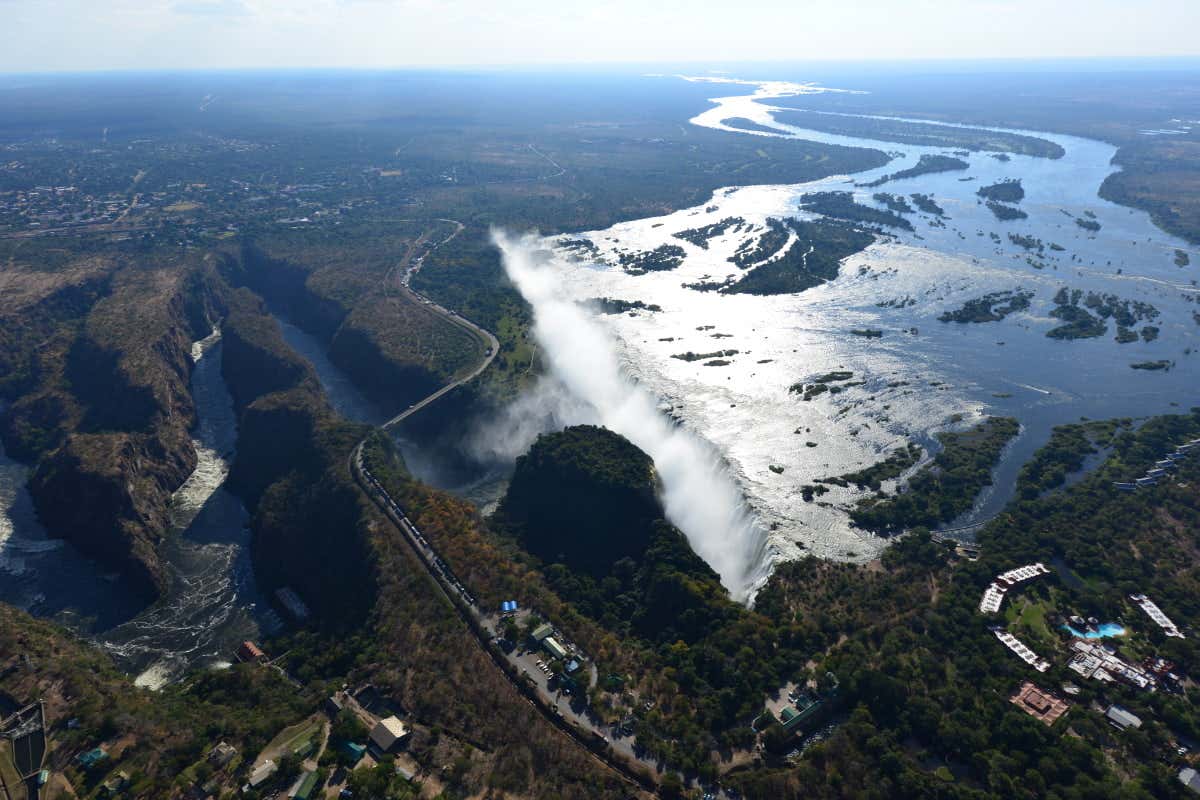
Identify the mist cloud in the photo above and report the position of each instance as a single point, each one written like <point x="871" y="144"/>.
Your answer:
<point x="699" y="494"/>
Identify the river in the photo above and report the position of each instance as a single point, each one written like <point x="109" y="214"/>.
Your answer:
<point x="918" y="379"/>
<point x="922" y="376"/>
<point x="212" y="602"/>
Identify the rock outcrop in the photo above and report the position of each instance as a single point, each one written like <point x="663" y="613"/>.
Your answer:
<point x="105" y="410"/>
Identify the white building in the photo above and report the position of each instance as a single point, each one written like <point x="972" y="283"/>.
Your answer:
<point x="1155" y="613"/>
<point x="388" y="732"/>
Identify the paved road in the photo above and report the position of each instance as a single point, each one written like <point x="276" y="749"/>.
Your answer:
<point x="615" y="751"/>
<point x="555" y="708"/>
<point x="486" y="337"/>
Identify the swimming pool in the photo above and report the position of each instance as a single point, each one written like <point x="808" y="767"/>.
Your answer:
<point x="1104" y="631"/>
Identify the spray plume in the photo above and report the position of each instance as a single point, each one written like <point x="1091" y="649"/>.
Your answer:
<point x="699" y="495"/>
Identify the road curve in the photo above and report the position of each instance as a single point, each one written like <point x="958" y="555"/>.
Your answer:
<point x="436" y="569"/>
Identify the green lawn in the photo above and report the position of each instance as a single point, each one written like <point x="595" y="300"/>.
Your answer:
<point x="291" y="737"/>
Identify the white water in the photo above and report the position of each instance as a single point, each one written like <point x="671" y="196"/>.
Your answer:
<point x="698" y="495"/>
<point x="923" y="376"/>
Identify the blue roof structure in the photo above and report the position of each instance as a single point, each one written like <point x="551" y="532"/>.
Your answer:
<point x="91" y="757"/>
<point x="508" y="606"/>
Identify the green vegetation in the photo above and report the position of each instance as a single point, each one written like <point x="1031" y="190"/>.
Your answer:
<point x="841" y="205"/>
<point x="917" y="618"/>
<point x="1005" y="213"/>
<point x="609" y="305"/>
<point x="690" y="356"/>
<point x="873" y="476"/>
<point x="992" y="307"/>
<point x="165" y="732"/>
<point x="772" y="240"/>
<point x="1153" y="365"/>
<point x="1087" y="224"/>
<point x="1027" y="242"/>
<point x="1080" y="324"/>
<point x="1182" y="259"/>
<point x="1159" y="175"/>
<point x="814" y="257"/>
<point x="948" y="486"/>
<point x="663" y="257"/>
<point x="1066" y="453"/>
<point x="895" y="203"/>
<point x="927" y="204"/>
<point x="1006" y="191"/>
<point x="832" y="382"/>
<point x="926" y="165"/>
<point x="927" y="134"/>
<point x="701" y="236"/>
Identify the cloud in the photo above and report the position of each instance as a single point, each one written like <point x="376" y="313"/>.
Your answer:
<point x="211" y="8"/>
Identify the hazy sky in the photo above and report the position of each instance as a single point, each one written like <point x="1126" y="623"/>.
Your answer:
<point x="40" y="35"/>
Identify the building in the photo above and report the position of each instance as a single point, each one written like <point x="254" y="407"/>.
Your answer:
<point x="553" y="647"/>
<point x="1039" y="704"/>
<point x="387" y="732"/>
<point x="91" y="757"/>
<point x="1122" y="718"/>
<point x="1190" y="778"/>
<point x="1022" y="574"/>
<point x="114" y="784"/>
<point x="1022" y="652"/>
<point x="508" y="607"/>
<point x="993" y="596"/>
<point x="222" y="754"/>
<point x="303" y="788"/>
<point x="807" y="710"/>
<point x="1093" y="661"/>
<point x="1155" y="613"/>
<point x="249" y="651"/>
<point x="261" y="773"/>
<point x="542" y="631"/>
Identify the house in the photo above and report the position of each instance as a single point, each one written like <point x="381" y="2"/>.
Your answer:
<point x="261" y="773"/>
<point x="553" y="647"/>
<point x="387" y="732"/>
<point x="542" y="631"/>
<point x="1039" y="704"/>
<point x="334" y="704"/>
<point x="794" y="720"/>
<point x="114" y="784"/>
<point x="91" y="757"/>
<point x="222" y="754"/>
<point x="1190" y="778"/>
<point x="1122" y="718"/>
<point x="303" y="788"/>
<point x="249" y="651"/>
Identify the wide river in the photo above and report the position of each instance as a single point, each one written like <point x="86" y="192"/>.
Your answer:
<point x="923" y="375"/>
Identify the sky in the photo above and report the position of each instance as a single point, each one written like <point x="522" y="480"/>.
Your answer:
<point x="58" y="35"/>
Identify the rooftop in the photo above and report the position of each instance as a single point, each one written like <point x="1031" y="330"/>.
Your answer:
<point x="1038" y="703"/>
